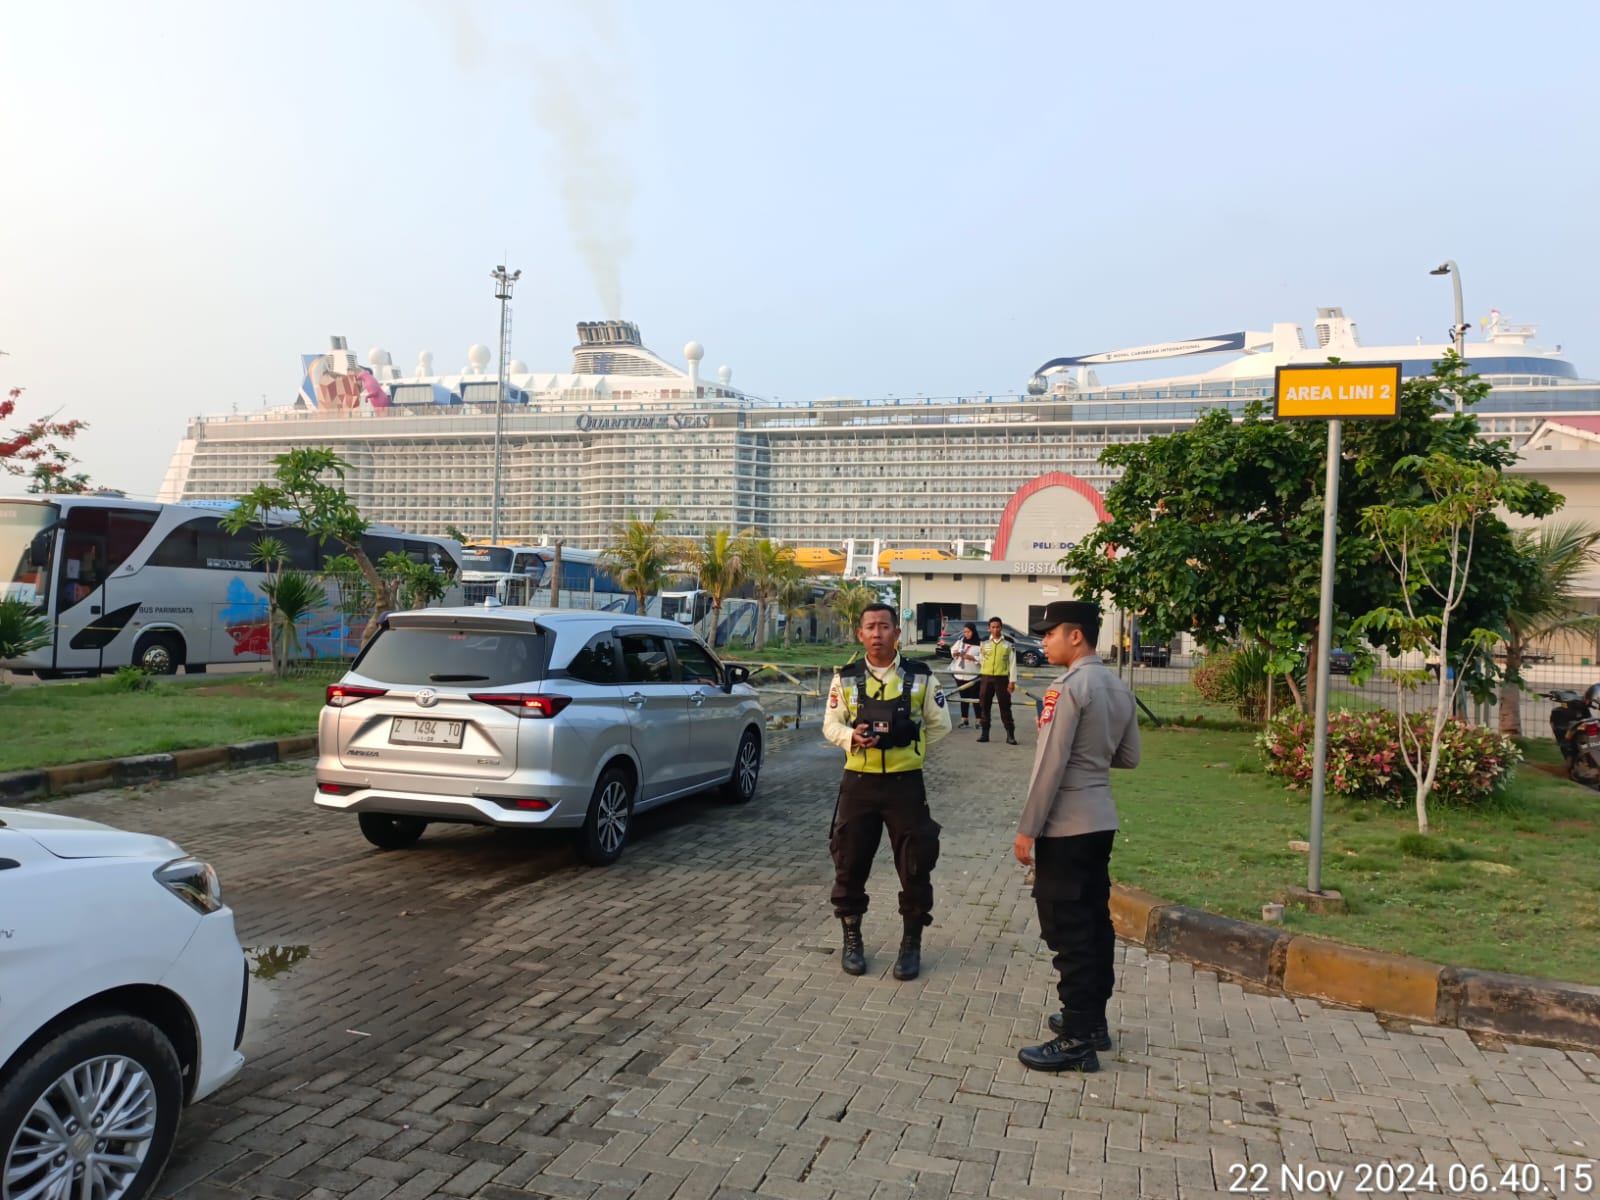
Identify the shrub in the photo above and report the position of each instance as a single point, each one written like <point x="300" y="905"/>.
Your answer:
<point x="1364" y="759"/>
<point x="22" y="629"/>
<point x="1236" y="676"/>
<point x="129" y="679"/>
<point x="1210" y="677"/>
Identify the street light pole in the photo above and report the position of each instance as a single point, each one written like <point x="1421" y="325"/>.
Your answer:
<point x="503" y="283"/>
<point x="1458" y="332"/>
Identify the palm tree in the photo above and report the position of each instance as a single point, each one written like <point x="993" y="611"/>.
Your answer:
<point x="291" y="595"/>
<point x="848" y="601"/>
<point x="769" y="565"/>
<point x="793" y="598"/>
<point x="721" y="560"/>
<point x="640" y="555"/>
<point x="1548" y="606"/>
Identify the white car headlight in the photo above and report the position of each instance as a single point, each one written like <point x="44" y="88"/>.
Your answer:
<point x="193" y="882"/>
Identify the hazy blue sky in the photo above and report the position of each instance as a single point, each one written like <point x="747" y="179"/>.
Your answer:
<point x="834" y="198"/>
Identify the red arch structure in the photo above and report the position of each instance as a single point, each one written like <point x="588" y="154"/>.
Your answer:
<point x="1033" y="487"/>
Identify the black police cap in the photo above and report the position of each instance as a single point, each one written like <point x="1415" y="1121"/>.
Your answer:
<point x="1062" y="612"/>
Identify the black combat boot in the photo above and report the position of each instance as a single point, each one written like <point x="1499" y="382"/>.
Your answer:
<point x="1060" y="1054"/>
<point x="1011" y="739"/>
<point x="853" y="957"/>
<point x="909" y="964"/>
<point x="983" y="733"/>
<point x="1100" y="1035"/>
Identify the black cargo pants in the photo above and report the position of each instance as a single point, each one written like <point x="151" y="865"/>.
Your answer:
<point x="868" y="804"/>
<point x="990" y="689"/>
<point x="1072" y="890"/>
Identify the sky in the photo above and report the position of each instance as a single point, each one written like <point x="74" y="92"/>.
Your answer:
<point x="834" y="198"/>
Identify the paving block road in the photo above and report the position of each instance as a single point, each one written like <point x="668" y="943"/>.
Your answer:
<point x="483" y="1016"/>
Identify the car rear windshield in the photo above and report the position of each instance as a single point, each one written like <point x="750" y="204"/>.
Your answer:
<point x="482" y="658"/>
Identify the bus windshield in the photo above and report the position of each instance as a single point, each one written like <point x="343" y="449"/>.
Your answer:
<point x="20" y="522"/>
<point x="486" y="558"/>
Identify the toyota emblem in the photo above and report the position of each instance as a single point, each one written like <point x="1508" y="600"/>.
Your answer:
<point x="427" y="697"/>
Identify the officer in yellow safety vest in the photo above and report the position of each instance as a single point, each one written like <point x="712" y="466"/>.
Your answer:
<point x="997" y="679"/>
<point x="884" y="711"/>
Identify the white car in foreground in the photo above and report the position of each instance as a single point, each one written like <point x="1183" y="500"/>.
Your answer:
<point x="122" y="998"/>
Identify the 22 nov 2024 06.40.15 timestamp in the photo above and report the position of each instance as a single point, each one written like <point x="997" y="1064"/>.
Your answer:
<point x="1414" y="1179"/>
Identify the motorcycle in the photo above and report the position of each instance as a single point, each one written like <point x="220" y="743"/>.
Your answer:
<point x="1577" y="733"/>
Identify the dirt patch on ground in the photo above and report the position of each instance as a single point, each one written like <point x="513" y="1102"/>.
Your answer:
<point x="1574" y="823"/>
<point x="1559" y="770"/>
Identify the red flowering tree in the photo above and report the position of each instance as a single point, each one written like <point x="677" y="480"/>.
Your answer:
<point x="36" y="450"/>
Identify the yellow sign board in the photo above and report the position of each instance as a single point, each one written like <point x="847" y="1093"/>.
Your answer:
<point x="1355" y="391"/>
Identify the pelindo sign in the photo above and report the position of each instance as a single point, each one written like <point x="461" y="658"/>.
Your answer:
<point x="587" y="422"/>
<point x="1368" y="391"/>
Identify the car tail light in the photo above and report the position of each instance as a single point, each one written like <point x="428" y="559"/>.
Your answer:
<point x="343" y="695"/>
<point x="333" y="789"/>
<point x="524" y="704"/>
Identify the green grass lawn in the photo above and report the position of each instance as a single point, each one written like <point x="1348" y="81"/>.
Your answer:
<point x="58" y="723"/>
<point x="1203" y="825"/>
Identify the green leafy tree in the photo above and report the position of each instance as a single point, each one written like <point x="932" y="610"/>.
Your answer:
<point x="300" y="489"/>
<point x="1547" y="605"/>
<point x="769" y="565"/>
<point x="1430" y="547"/>
<point x="1216" y="531"/>
<point x="720" y="559"/>
<point x="416" y="585"/>
<point x="454" y="534"/>
<point x="793" y="599"/>
<point x="848" y="601"/>
<point x="640" y="555"/>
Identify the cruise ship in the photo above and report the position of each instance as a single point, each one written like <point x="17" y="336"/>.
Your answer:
<point x="626" y="432"/>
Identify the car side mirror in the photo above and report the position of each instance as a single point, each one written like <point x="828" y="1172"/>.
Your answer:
<point x="39" y="550"/>
<point x="733" y="675"/>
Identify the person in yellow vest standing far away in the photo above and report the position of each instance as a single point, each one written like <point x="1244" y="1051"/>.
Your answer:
<point x="884" y="711"/>
<point x="997" y="679"/>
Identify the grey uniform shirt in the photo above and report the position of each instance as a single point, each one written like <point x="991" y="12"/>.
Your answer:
<point x="1089" y="725"/>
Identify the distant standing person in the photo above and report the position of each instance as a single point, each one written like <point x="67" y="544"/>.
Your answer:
<point x="884" y="711"/>
<point x="997" y="671"/>
<point x="966" y="653"/>
<point x="1087" y="725"/>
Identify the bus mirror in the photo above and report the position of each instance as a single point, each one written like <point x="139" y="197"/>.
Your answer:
<point x="39" y="550"/>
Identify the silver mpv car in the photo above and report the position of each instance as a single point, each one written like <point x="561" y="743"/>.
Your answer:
<point x="524" y="717"/>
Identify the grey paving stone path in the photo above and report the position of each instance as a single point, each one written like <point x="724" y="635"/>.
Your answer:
<point x="481" y="1016"/>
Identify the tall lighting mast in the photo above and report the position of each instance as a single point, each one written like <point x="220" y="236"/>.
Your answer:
<point x="503" y="282"/>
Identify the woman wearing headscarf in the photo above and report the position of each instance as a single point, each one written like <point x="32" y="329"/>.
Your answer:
<point x="965" y="653"/>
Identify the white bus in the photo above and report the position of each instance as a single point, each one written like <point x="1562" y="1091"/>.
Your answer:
<point x="521" y="575"/>
<point x="164" y="586"/>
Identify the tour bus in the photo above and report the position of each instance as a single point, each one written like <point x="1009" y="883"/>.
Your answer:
<point x="164" y="586"/>
<point x="521" y="575"/>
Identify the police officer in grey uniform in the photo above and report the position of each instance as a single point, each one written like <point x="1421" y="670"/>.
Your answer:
<point x="1087" y="725"/>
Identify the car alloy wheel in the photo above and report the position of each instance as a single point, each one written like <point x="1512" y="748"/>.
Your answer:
<point x="741" y="787"/>
<point x="606" y="827"/>
<point x="93" y="1113"/>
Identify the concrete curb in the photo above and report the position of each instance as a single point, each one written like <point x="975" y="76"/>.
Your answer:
<point x="1516" y="1006"/>
<point x="20" y="787"/>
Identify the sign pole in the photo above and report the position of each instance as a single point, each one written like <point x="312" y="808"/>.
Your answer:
<point x="1333" y="393"/>
<point x="1319" y="753"/>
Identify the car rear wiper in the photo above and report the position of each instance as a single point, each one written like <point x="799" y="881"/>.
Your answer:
<point x="458" y="678"/>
